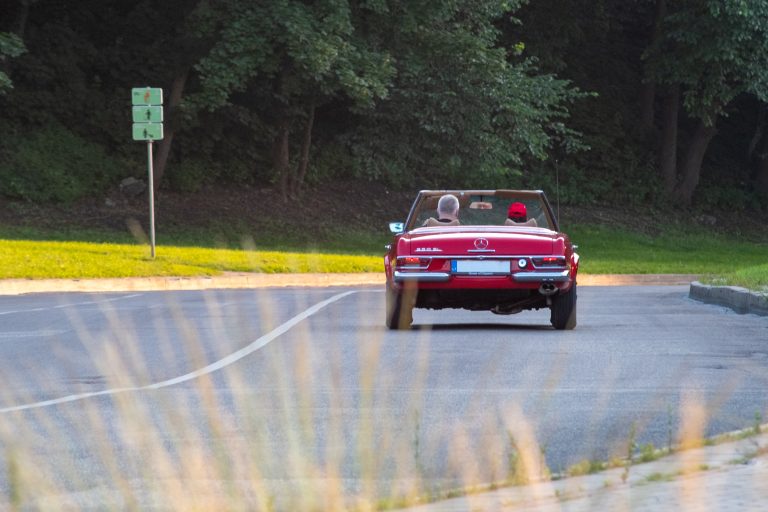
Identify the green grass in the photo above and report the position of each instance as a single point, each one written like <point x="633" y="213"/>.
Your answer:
<point x="72" y="253"/>
<point x="754" y="278"/>
<point x="660" y="477"/>
<point x="586" y="467"/>
<point x="40" y="259"/>
<point x="612" y="251"/>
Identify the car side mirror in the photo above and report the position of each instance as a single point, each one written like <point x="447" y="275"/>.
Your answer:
<point x="396" y="227"/>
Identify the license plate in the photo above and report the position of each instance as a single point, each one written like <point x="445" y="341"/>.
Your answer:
<point x="480" y="266"/>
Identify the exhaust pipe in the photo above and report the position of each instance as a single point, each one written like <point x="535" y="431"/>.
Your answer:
<point x="547" y="289"/>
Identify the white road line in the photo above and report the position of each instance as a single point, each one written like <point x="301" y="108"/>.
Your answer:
<point x="60" y="306"/>
<point x="221" y="363"/>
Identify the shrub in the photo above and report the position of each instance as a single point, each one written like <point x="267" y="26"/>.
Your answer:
<point x="727" y="197"/>
<point x="190" y="176"/>
<point x="54" y="164"/>
<point x="194" y="174"/>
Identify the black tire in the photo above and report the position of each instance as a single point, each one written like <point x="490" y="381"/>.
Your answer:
<point x="563" y="310"/>
<point x="399" y="314"/>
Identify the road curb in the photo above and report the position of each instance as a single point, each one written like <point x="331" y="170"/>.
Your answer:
<point x="740" y="300"/>
<point x="225" y="281"/>
<point x="635" y="279"/>
<point x="233" y="280"/>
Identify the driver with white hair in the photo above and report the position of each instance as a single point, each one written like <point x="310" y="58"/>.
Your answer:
<point x="447" y="212"/>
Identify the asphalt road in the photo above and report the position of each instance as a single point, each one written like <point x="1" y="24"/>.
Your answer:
<point x="293" y="397"/>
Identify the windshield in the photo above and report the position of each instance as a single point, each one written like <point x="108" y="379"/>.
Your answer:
<point x="485" y="210"/>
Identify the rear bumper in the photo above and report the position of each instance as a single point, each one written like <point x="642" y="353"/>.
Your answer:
<point x="518" y="277"/>
<point x="542" y="277"/>
<point x="421" y="277"/>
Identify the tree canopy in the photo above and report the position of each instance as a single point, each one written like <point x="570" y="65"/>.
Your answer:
<point x="10" y="46"/>
<point x="645" y="102"/>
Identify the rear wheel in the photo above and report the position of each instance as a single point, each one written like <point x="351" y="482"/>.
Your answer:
<point x="399" y="314"/>
<point x="563" y="310"/>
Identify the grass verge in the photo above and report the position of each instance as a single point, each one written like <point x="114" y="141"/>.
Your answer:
<point x="753" y="278"/>
<point x="41" y="259"/>
<point x="611" y="251"/>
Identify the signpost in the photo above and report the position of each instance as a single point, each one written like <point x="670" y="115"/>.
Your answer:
<point x="148" y="125"/>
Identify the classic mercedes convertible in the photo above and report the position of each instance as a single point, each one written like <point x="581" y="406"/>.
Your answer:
<point x="501" y="251"/>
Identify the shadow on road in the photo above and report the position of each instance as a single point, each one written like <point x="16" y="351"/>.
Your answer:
<point x="480" y="327"/>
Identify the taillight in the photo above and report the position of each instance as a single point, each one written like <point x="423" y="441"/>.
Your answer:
<point x="549" y="261"/>
<point x="413" y="262"/>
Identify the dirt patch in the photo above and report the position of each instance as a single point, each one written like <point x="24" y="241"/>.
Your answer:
<point x="361" y="205"/>
<point x="354" y="204"/>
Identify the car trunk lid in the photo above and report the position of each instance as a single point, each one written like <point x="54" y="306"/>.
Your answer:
<point x="479" y="242"/>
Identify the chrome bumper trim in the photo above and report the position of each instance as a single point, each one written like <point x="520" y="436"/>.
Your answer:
<point x="425" y="277"/>
<point x="544" y="277"/>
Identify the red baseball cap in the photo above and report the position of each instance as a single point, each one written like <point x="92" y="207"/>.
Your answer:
<point x="516" y="210"/>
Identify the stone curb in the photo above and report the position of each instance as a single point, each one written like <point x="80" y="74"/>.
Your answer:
<point x="232" y="280"/>
<point x="225" y="281"/>
<point x="740" y="300"/>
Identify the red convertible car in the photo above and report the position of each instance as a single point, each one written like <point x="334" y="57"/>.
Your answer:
<point x="498" y="250"/>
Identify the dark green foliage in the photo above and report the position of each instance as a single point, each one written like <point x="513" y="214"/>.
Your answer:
<point x="463" y="110"/>
<point x="10" y="46"/>
<point x="717" y="50"/>
<point x="54" y="164"/>
<point x="419" y="91"/>
<point x="194" y="174"/>
<point x="191" y="176"/>
<point x="333" y="161"/>
<point x="467" y="93"/>
<point x="597" y="45"/>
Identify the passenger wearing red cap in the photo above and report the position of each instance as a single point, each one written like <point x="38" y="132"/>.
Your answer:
<point x="517" y="215"/>
<point x="517" y="212"/>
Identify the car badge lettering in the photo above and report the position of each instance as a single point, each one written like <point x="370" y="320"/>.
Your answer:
<point x="481" y="243"/>
<point x="428" y="249"/>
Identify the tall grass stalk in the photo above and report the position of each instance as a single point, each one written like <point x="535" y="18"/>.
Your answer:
<point x="305" y="423"/>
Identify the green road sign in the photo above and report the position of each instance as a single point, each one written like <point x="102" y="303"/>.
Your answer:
<point x="147" y="131"/>
<point x="147" y="96"/>
<point x="148" y="114"/>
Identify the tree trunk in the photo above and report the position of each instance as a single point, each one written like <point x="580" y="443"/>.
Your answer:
<point x="692" y="165"/>
<point x="758" y="154"/>
<point x="306" y="144"/>
<point x="668" y="145"/>
<point x="164" y="147"/>
<point x="281" y="156"/>
<point x="761" y="178"/>
<point x="648" y="90"/>
<point x="647" y="101"/>
<point x="21" y="22"/>
<point x="758" y="136"/>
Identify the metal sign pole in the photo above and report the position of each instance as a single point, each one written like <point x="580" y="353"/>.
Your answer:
<point x="147" y="114"/>
<point x="151" y="198"/>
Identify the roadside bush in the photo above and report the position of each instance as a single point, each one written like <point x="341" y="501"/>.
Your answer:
<point x="332" y="161"/>
<point x="194" y="174"/>
<point x="727" y="197"/>
<point x="601" y="176"/>
<point x="190" y="176"/>
<point x="52" y="164"/>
